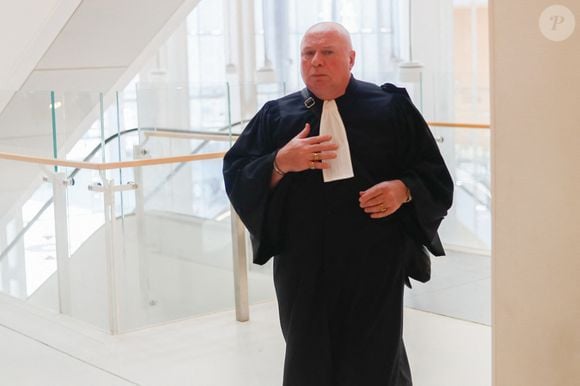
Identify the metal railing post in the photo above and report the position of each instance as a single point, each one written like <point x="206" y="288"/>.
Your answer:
<point x="108" y="188"/>
<point x="59" y="182"/>
<point x="240" y="268"/>
<point x="140" y="152"/>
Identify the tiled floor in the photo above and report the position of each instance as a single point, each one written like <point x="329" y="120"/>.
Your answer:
<point x="40" y="349"/>
<point x="460" y="287"/>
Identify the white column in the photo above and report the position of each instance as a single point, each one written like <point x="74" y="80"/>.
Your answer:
<point x="243" y="103"/>
<point x="536" y="190"/>
<point x="432" y="34"/>
<point x="245" y="54"/>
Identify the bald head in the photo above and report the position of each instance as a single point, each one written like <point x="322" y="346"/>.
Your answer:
<point x="327" y="58"/>
<point x="329" y="27"/>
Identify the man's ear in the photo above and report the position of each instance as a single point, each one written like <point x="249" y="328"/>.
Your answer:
<point x="352" y="57"/>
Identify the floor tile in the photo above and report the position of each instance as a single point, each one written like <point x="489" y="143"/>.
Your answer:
<point x="215" y="350"/>
<point x="27" y="362"/>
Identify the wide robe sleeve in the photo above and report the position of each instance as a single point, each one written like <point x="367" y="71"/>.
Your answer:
<point x="247" y="171"/>
<point x="425" y="174"/>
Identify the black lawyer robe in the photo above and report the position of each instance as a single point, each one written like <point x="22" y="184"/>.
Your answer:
<point x="338" y="273"/>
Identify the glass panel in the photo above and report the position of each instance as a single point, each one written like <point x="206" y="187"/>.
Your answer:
<point x="27" y="235"/>
<point x="246" y="99"/>
<point x="193" y="188"/>
<point x="85" y="208"/>
<point x="81" y="127"/>
<point x="177" y="223"/>
<point x="40" y="250"/>
<point x="88" y="250"/>
<point x="471" y="96"/>
<point x="182" y="106"/>
<point x="26" y="123"/>
<point x="123" y="147"/>
<point x="85" y="120"/>
<point x="78" y="124"/>
<point x="467" y="154"/>
<point x="85" y="213"/>
<point x="460" y="286"/>
<point x="172" y="118"/>
<point x="176" y="254"/>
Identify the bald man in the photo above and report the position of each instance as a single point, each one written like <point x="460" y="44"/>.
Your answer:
<point x="343" y="184"/>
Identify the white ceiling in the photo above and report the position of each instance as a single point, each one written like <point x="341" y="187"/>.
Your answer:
<point x="107" y="33"/>
<point x="27" y="28"/>
<point x="68" y="45"/>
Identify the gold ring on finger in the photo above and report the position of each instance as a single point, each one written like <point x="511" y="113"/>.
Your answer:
<point x="312" y="165"/>
<point x="316" y="156"/>
<point x="382" y="208"/>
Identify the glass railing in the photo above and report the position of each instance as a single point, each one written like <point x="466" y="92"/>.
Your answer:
<point x="27" y="122"/>
<point x="457" y="107"/>
<point x="124" y="246"/>
<point x="151" y="244"/>
<point x="466" y="149"/>
<point x="120" y="246"/>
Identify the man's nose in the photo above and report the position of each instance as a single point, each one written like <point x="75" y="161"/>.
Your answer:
<point x="316" y="59"/>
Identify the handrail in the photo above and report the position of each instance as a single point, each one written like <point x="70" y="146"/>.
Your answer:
<point x="173" y="159"/>
<point x="460" y="125"/>
<point x="193" y="134"/>
<point x="78" y="165"/>
<point x="218" y="135"/>
<point x="110" y="165"/>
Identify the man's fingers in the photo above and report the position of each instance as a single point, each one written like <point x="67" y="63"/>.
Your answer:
<point x="317" y="139"/>
<point x="321" y="156"/>
<point x="313" y="165"/>
<point x="321" y="147"/>
<point x="368" y="195"/>
<point x="304" y="133"/>
<point x="377" y="200"/>
<point x="327" y="155"/>
<point x="380" y="211"/>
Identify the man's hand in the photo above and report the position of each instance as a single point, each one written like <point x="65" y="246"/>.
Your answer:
<point x="303" y="152"/>
<point x="384" y="198"/>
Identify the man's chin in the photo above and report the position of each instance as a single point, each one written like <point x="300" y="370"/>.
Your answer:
<point x="320" y="79"/>
<point x="318" y="87"/>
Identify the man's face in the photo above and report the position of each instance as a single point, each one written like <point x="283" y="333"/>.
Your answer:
<point x="326" y="61"/>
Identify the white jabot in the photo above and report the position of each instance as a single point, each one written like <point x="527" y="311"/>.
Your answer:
<point x="331" y="123"/>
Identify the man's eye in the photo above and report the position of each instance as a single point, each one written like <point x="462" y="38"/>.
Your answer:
<point x="327" y="52"/>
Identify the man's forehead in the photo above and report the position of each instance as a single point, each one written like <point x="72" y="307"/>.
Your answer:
<point x="322" y="39"/>
<point x="319" y="45"/>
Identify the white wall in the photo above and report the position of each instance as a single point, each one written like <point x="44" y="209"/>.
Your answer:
<point x="536" y="189"/>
